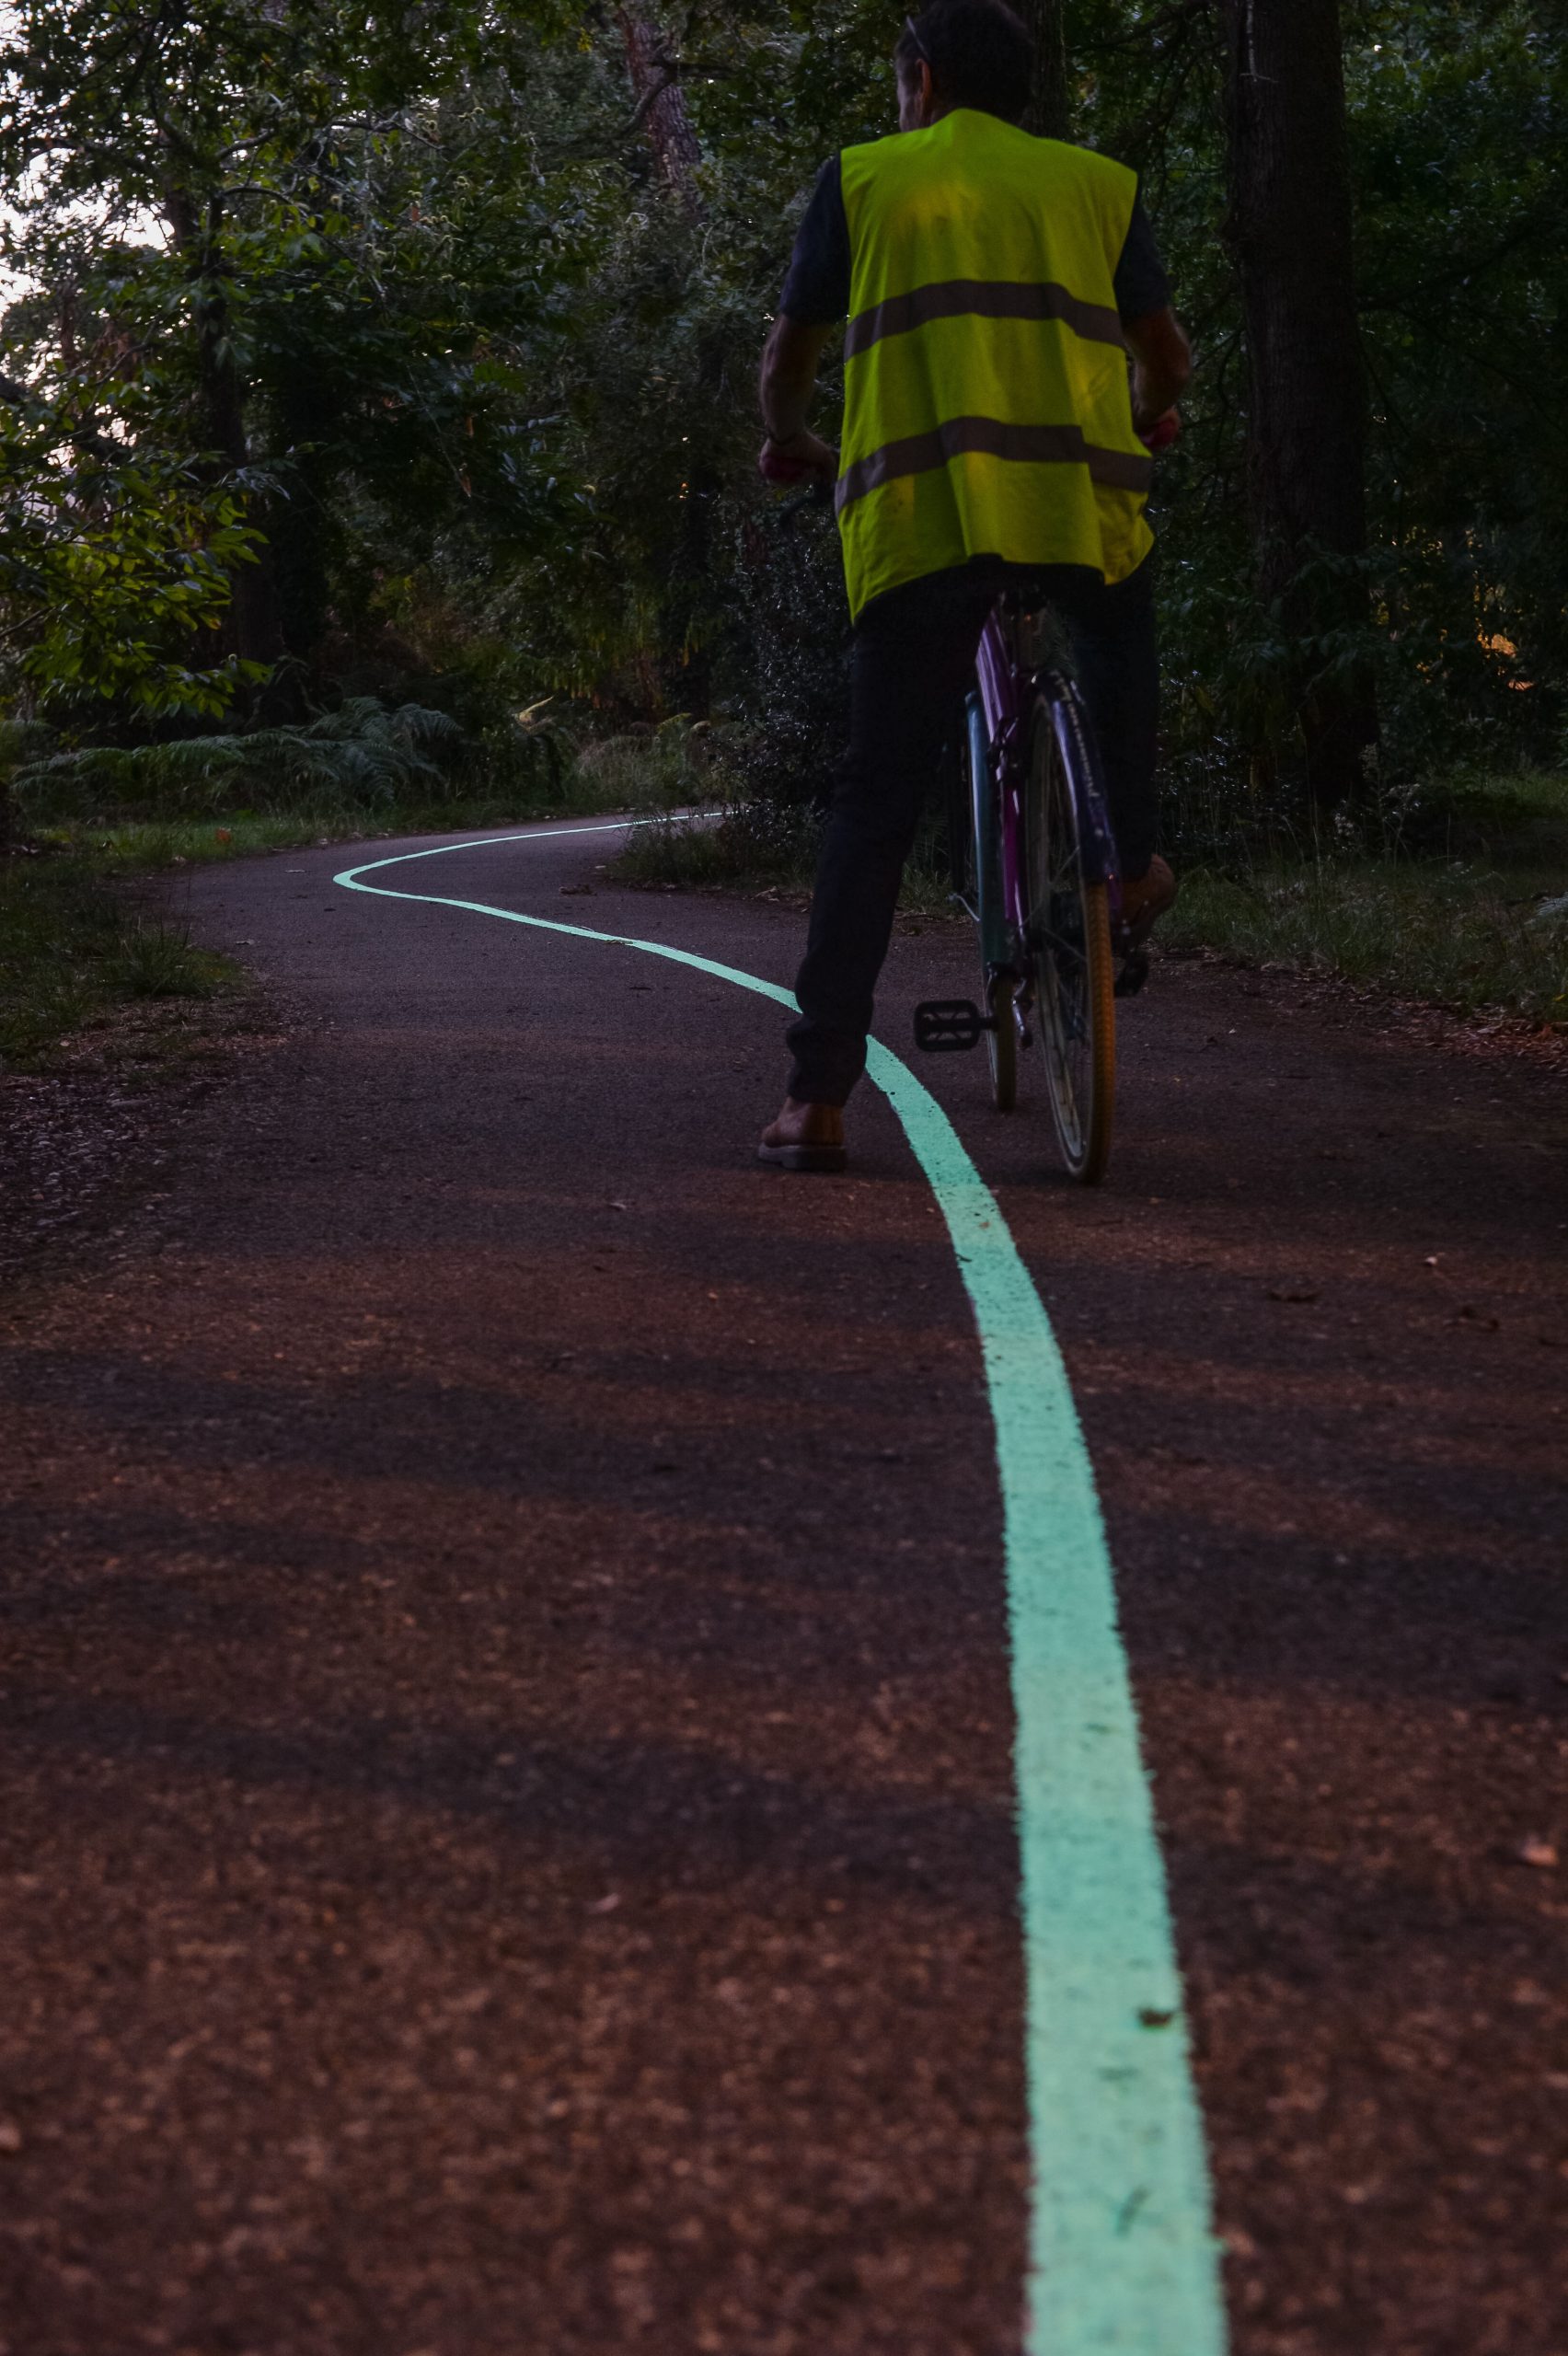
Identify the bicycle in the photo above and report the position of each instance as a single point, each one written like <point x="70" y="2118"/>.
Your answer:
<point x="1032" y="860"/>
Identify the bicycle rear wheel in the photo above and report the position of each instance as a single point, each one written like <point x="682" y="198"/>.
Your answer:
<point x="1069" y="936"/>
<point x="972" y="863"/>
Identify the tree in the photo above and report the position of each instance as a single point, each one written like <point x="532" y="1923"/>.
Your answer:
<point x="459" y="308"/>
<point x="661" y="104"/>
<point x="1050" y="111"/>
<point x="358" y="240"/>
<point x="1291" y="229"/>
<point x="113" y="570"/>
<point x="194" y="115"/>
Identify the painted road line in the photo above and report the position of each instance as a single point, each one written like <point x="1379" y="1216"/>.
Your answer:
<point x="1121" y="2255"/>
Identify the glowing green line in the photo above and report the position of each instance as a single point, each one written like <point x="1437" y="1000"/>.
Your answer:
<point x="1121" y="2255"/>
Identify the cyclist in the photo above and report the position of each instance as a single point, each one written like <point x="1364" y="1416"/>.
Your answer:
<point x="994" y="283"/>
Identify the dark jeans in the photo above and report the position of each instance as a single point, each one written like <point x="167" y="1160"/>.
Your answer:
<point x="914" y="656"/>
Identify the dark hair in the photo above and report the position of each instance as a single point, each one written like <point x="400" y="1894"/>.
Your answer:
<point x="979" y="52"/>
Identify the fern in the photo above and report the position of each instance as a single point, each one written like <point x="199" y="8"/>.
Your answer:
<point x="362" y="753"/>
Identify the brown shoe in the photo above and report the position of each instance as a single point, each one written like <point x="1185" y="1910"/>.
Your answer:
<point x="1145" y="901"/>
<point x="805" y="1137"/>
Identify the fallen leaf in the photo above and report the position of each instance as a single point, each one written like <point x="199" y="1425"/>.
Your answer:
<point x="1293" y="1292"/>
<point x="10" y="2135"/>
<point x="1537" y="1852"/>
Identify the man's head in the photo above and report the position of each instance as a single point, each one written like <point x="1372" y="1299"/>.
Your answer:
<point x="962" y="53"/>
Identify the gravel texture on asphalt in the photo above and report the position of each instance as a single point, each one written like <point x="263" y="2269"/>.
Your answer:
<point x="508" y="1841"/>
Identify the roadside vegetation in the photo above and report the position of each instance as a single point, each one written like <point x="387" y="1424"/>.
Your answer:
<point x="73" y="946"/>
<point x="1460" y="900"/>
<point x="71" y="951"/>
<point x="1463" y="905"/>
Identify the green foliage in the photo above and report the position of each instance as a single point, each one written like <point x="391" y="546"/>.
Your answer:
<point x="111" y="575"/>
<point x="1459" y="937"/>
<point x="1451" y="892"/>
<point x="1459" y="140"/>
<point x="158" y="961"/>
<point x="362" y="753"/>
<point x="358" y="241"/>
<point x="674" y="767"/>
<point x="751" y="845"/>
<point x="396" y="303"/>
<point x="70" y="952"/>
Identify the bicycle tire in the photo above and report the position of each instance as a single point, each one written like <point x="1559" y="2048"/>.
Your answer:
<point x="968" y="851"/>
<point x="1001" y="1042"/>
<point x="1068" y="938"/>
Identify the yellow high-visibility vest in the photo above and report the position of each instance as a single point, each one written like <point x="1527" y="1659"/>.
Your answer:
<point x="986" y="403"/>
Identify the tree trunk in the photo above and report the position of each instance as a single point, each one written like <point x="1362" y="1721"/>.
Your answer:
<point x="661" y="104"/>
<point x="1290" y="227"/>
<point x="251" y="630"/>
<point x="1050" y="111"/>
<point x="662" y="108"/>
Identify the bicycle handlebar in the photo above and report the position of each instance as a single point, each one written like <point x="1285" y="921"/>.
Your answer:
<point x="788" y="511"/>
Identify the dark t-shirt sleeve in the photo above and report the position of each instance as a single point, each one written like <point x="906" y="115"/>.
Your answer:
<point x="1142" y="286"/>
<point x="816" y="292"/>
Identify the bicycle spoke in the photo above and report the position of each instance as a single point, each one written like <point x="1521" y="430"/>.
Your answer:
<point x="1064" y="947"/>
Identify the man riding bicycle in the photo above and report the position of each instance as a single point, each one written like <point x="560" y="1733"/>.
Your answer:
<point x="994" y="283"/>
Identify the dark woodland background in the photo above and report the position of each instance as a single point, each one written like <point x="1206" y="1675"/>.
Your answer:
<point x="377" y="412"/>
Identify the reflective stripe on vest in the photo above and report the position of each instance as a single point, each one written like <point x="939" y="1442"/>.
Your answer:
<point x="986" y="403"/>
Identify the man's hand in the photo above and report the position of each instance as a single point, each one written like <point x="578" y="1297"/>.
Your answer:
<point x="1162" y="365"/>
<point x="805" y="457"/>
<point x="792" y="454"/>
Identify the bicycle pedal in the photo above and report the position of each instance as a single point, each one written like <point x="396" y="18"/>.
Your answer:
<point x="1134" y="973"/>
<point x="949" y="1026"/>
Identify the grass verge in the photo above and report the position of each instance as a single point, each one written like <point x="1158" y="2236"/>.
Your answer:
<point x="131" y="846"/>
<point x="71" y="949"/>
<point x="1465" y="906"/>
<point x="1462" y="905"/>
<point x="1456" y="937"/>
<point x="748" y="846"/>
<point x="752" y="846"/>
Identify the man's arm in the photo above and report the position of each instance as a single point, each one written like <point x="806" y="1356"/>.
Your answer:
<point x="788" y="386"/>
<point x="1162" y="365"/>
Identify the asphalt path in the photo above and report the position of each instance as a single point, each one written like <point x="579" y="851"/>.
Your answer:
<point x="511" y="1830"/>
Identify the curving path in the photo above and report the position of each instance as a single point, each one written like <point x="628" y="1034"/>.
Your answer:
<point x="514" y="1646"/>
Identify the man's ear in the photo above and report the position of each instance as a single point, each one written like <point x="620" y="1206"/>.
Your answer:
<point x="927" y="92"/>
